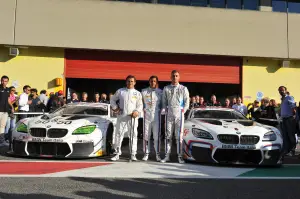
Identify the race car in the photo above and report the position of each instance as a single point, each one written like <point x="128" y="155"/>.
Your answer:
<point x="226" y="136"/>
<point x="73" y="131"/>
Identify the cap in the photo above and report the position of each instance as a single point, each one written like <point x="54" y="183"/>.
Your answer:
<point x="60" y="92"/>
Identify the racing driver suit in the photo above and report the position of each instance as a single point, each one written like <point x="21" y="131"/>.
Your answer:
<point x="130" y="100"/>
<point x="175" y="103"/>
<point x="152" y="108"/>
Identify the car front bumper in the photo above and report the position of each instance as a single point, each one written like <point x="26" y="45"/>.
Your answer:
<point x="54" y="149"/>
<point x="205" y="152"/>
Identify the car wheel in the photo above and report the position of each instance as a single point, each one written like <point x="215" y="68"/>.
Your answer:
<point x="109" y="139"/>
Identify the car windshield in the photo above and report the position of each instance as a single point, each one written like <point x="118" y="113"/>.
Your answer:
<point x="85" y="110"/>
<point x="218" y="114"/>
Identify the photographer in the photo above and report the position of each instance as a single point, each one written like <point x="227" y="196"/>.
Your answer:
<point x="254" y="111"/>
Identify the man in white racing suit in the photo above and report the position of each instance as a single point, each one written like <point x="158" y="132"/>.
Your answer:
<point x="129" y="109"/>
<point x="152" y="109"/>
<point x="175" y="103"/>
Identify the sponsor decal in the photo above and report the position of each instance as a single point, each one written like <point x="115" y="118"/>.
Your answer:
<point x="236" y="146"/>
<point x="99" y="153"/>
<point x="84" y="141"/>
<point x="185" y="132"/>
<point x="47" y="140"/>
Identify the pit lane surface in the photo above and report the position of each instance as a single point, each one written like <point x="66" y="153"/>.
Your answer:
<point x="144" y="180"/>
<point x="75" y="187"/>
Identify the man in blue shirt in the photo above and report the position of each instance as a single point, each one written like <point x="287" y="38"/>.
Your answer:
<point x="288" y="114"/>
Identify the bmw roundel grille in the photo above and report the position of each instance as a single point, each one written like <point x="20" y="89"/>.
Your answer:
<point x="38" y="132"/>
<point x="249" y="139"/>
<point x="57" y="133"/>
<point x="228" y="139"/>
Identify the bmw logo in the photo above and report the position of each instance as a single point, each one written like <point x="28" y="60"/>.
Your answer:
<point x="238" y="132"/>
<point x="48" y="126"/>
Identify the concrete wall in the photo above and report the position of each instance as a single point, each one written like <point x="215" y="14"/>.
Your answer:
<point x="37" y="67"/>
<point x="294" y="35"/>
<point x="265" y="75"/>
<point x="7" y="21"/>
<point x="150" y="27"/>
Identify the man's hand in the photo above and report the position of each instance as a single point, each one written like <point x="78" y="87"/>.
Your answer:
<point x="29" y="102"/>
<point x="135" y="114"/>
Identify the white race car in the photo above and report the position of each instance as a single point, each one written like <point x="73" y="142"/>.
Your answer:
<point x="73" y="131"/>
<point x="225" y="136"/>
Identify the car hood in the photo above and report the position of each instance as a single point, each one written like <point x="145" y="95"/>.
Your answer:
<point x="71" y="122"/>
<point x="231" y="126"/>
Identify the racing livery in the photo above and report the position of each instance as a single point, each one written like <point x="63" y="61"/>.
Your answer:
<point x="225" y="136"/>
<point x="73" y="131"/>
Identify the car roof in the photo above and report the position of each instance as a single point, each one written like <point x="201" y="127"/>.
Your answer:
<point x="88" y="104"/>
<point x="214" y="108"/>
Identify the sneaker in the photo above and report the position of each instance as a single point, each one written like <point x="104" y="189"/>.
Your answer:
<point x="166" y="159"/>
<point x="145" y="158"/>
<point x="289" y="154"/>
<point x="115" y="158"/>
<point x="133" y="158"/>
<point x="181" y="160"/>
<point x="158" y="159"/>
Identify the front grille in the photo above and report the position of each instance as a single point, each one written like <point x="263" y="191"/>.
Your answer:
<point x="57" y="133"/>
<point x="238" y="156"/>
<point x="228" y="139"/>
<point x="249" y="139"/>
<point x="38" y="132"/>
<point x="53" y="149"/>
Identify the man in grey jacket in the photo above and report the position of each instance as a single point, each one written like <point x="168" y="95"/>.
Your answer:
<point x="175" y="103"/>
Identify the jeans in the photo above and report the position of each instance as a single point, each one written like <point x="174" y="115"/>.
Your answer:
<point x="22" y="116"/>
<point x="10" y="125"/>
<point x="288" y="132"/>
<point x="3" y="119"/>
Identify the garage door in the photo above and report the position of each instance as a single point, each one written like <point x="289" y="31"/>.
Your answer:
<point x="118" y="64"/>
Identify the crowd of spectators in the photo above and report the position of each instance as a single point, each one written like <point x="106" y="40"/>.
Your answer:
<point x="265" y="108"/>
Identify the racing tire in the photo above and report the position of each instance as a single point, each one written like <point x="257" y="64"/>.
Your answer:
<point x="109" y="139"/>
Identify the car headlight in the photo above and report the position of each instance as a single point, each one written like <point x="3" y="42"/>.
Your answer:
<point x="270" y="136"/>
<point x="199" y="133"/>
<point x="22" y="128"/>
<point x="84" y="130"/>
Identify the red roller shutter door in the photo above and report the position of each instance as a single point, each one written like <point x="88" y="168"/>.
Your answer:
<point x="117" y="65"/>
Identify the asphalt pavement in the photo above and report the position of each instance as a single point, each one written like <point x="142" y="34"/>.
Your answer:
<point x="86" y="187"/>
<point x="70" y="188"/>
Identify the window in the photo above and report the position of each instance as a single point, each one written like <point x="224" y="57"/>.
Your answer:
<point x="294" y="6"/>
<point x="202" y="3"/>
<point x="279" y="6"/>
<point x="165" y="1"/>
<point x="183" y="2"/>
<point x="234" y="4"/>
<point x="251" y="4"/>
<point x="217" y="3"/>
